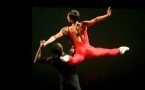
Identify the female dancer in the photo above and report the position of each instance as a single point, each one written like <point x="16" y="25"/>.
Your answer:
<point x="77" y="34"/>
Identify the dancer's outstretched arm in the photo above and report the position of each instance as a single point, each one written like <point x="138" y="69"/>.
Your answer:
<point x="54" y="37"/>
<point x="97" y="19"/>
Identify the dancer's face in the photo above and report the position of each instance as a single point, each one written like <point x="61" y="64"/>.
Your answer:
<point x="57" y="49"/>
<point x="68" y="18"/>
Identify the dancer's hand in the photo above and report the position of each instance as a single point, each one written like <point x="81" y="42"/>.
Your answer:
<point x="109" y="11"/>
<point x="42" y="43"/>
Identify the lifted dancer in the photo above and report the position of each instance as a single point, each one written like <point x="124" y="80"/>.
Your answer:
<point x="77" y="34"/>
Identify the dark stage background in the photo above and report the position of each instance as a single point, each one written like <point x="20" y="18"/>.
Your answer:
<point x="125" y="27"/>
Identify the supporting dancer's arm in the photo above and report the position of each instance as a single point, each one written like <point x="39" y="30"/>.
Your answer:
<point x="38" y="58"/>
<point x="97" y="19"/>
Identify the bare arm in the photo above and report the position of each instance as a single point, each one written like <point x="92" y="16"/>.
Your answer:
<point x="54" y="37"/>
<point x="38" y="53"/>
<point x="38" y="58"/>
<point x="97" y="19"/>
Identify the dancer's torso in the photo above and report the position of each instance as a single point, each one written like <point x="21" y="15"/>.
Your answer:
<point x="78" y="35"/>
<point x="64" y="69"/>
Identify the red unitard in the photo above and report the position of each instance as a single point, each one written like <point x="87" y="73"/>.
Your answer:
<point x="85" y="50"/>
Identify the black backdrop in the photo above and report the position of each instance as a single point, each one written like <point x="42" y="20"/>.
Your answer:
<point x="24" y="23"/>
<point x="125" y="26"/>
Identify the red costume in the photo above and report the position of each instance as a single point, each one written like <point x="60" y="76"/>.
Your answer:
<point x="85" y="50"/>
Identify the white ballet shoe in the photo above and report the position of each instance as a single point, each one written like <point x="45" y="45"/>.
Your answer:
<point x="123" y="49"/>
<point x="64" y="58"/>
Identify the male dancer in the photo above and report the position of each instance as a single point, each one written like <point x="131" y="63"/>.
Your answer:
<point x="69" y="79"/>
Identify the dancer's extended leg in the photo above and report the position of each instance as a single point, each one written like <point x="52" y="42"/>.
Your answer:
<point x="93" y="52"/>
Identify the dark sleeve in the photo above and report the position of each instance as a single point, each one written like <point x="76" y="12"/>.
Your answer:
<point x="72" y="50"/>
<point x="71" y="53"/>
<point x="47" y="60"/>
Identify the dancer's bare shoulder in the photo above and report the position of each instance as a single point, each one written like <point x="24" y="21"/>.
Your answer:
<point x="65" y="30"/>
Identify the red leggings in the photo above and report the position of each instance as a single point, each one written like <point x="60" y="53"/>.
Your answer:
<point x="91" y="52"/>
<point x="85" y="50"/>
